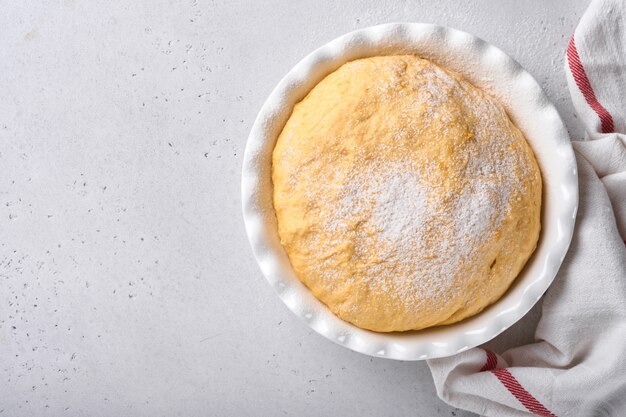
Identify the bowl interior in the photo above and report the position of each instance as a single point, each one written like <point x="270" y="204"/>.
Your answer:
<point x="486" y="67"/>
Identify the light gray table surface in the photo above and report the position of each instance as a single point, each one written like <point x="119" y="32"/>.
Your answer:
<point x="127" y="285"/>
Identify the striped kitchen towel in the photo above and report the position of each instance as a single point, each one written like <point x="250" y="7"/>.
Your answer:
<point x="577" y="365"/>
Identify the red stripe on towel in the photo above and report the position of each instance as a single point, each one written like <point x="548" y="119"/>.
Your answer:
<point x="582" y="81"/>
<point x="491" y="362"/>
<point x="523" y="396"/>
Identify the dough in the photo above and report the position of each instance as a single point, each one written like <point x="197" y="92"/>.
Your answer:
<point x="405" y="196"/>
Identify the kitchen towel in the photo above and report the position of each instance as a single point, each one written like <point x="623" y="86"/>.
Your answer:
<point x="577" y="364"/>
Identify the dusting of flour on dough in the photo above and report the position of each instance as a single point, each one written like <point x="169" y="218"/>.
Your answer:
<point x="401" y="212"/>
<point x="403" y="198"/>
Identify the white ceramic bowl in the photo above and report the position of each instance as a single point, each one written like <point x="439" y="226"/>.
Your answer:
<point x="486" y="67"/>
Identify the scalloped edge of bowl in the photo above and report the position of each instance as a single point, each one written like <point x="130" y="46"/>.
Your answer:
<point x="487" y="67"/>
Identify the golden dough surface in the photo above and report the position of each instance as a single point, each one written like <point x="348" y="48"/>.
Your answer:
<point x="405" y="197"/>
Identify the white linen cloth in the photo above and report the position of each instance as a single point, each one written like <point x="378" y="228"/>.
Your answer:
<point x="577" y="365"/>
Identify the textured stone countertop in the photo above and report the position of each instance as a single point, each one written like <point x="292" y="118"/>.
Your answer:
<point x="127" y="284"/>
